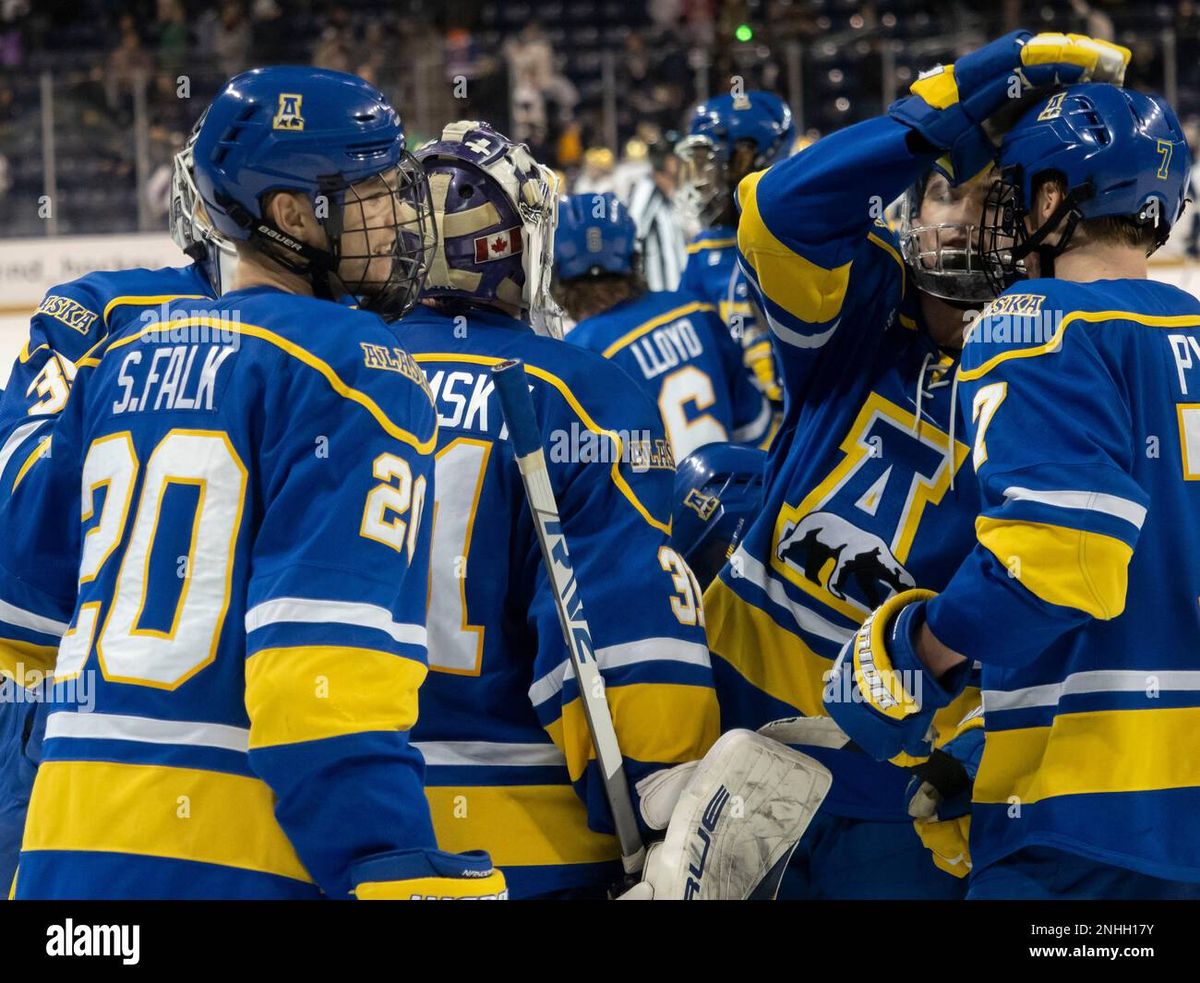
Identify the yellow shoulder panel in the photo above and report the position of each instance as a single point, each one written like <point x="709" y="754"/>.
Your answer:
<point x="1072" y="568"/>
<point x="802" y="288"/>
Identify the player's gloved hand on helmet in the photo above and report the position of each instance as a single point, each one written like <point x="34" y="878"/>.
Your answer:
<point x="939" y="795"/>
<point x="950" y="104"/>
<point x="428" y="875"/>
<point x="879" y="691"/>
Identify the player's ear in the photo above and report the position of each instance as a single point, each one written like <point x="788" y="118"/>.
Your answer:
<point x="291" y="213"/>
<point x="1049" y="197"/>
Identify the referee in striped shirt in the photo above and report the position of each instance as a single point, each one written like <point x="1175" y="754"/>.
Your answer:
<point x="660" y="236"/>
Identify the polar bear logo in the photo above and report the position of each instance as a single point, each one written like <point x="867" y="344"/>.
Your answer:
<point x="860" y="557"/>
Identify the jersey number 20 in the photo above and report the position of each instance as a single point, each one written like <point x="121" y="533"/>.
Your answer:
<point x="128" y="653"/>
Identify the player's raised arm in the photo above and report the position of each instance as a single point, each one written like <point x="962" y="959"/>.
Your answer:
<point x="804" y="221"/>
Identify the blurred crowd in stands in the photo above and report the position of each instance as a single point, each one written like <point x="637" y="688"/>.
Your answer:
<point x="598" y="88"/>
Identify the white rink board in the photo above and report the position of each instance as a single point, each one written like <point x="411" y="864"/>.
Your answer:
<point x="29" y="267"/>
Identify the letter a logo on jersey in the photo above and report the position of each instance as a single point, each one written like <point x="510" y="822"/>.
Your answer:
<point x="848" y="541"/>
<point x="288" y="117"/>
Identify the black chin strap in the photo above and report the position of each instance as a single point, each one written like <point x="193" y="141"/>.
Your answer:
<point x="1067" y="212"/>
<point x="318" y="265"/>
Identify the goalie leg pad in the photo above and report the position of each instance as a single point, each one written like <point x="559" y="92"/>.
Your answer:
<point x="737" y="820"/>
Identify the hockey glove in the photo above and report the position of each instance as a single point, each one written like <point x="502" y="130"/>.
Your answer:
<point x="950" y="103"/>
<point x="939" y="797"/>
<point x="428" y="875"/>
<point x="880" y="693"/>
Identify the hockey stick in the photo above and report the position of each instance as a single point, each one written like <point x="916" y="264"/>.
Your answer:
<point x="526" y="439"/>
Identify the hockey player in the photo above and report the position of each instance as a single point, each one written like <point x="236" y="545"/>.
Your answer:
<point x="866" y="494"/>
<point x="671" y="342"/>
<point x="501" y="728"/>
<point x="729" y="137"/>
<point x="1074" y="598"/>
<point x="249" y="627"/>
<point x="72" y="319"/>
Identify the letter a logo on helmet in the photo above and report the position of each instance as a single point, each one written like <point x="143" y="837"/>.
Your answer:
<point x="288" y="117"/>
<point x="334" y="140"/>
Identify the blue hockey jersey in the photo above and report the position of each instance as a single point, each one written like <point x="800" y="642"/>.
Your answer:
<point x="1080" y="596"/>
<point x="866" y="489"/>
<point x="684" y="358"/>
<point x="69" y="322"/>
<point x="71" y="319"/>
<point x="502" y="729"/>
<point x="712" y="274"/>
<point x="243" y="602"/>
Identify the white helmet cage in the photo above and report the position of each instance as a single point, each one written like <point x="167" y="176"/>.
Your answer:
<point x="944" y="258"/>
<point x="190" y="227"/>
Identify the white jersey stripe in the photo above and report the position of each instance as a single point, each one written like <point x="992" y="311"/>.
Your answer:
<point x="756" y="429"/>
<point x="16" y="438"/>
<point x="1114" y="505"/>
<point x="810" y="621"/>
<point x="147" y="730"/>
<point x="20" y="618"/>
<point x="307" y="610"/>
<point x="492" y="754"/>
<point x="1095" y="681"/>
<point x="618" y="656"/>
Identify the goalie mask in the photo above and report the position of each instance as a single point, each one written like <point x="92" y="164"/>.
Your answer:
<point x="496" y="210"/>
<point x="943" y="257"/>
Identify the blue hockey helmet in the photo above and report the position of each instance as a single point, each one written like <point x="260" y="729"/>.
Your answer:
<point x="718" y="492"/>
<point x="757" y="123"/>
<point x="595" y="235"/>
<point x="334" y="138"/>
<point x="1117" y="152"/>
<point x="496" y="209"/>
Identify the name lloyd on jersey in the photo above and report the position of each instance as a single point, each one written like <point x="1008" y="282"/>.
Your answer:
<point x="180" y="385"/>
<point x="664" y="348"/>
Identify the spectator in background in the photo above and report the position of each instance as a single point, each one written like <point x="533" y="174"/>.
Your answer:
<point x="335" y="49"/>
<point x="128" y="64"/>
<point x="172" y="37"/>
<point x="373" y="53"/>
<point x="570" y="145"/>
<point x="538" y="87"/>
<point x="597" y="174"/>
<point x="268" y="30"/>
<point x="12" y="47"/>
<point x="231" y="39"/>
